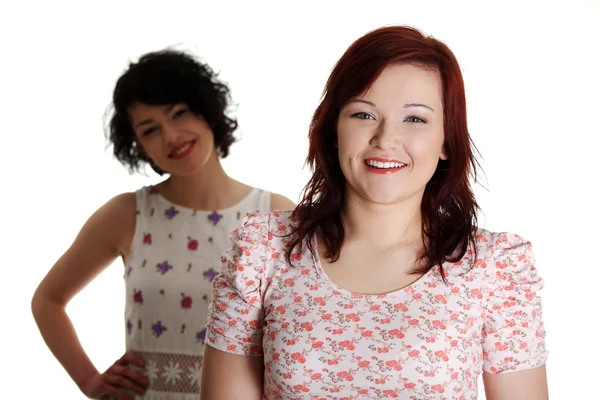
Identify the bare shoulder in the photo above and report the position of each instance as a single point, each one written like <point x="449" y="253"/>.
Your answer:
<point x="117" y="217"/>
<point x="280" y="202"/>
<point x="105" y="235"/>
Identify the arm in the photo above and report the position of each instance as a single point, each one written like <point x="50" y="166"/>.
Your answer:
<point x="220" y="367"/>
<point x="280" y="202"/>
<point x="106" y="235"/>
<point x="233" y="365"/>
<point x="522" y="385"/>
<point x="514" y="334"/>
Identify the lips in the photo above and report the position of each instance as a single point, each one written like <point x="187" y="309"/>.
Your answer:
<point x="379" y="165"/>
<point x="182" y="150"/>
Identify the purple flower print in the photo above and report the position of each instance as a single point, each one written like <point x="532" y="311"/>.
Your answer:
<point x="158" y="329"/>
<point x="201" y="336"/>
<point x="171" y="212"/>
<point x="129" y="269"/>
<point x="129" y="327"/>
<point x="164" y="267"/>
<point x="210" y="274"/>
<point x="215" y="217"/>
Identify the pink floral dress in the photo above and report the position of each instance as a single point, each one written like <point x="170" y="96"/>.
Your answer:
<point x="426" y="341"/>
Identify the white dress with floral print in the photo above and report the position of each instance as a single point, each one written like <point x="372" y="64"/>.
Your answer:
<point x="426" y="341"/>
<point x="174" y="258"/>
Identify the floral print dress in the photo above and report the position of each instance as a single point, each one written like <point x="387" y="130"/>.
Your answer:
<point x="426" y="341"/>
<point x="174" y="258"/>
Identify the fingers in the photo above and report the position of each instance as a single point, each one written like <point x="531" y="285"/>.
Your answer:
<point x="117" y="380"/>
<point x="114" y="393"/>
<point x="131" y="357"/>
<point x="131" y="374"/>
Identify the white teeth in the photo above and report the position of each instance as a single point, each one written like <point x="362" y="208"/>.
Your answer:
<point x="183" y="149"/>
<point x="383" y="165"/>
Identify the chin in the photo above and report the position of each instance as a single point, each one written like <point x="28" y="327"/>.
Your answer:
<point x="388" y="197"/>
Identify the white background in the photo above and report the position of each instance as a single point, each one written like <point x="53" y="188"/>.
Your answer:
<point x="532" y="77"/>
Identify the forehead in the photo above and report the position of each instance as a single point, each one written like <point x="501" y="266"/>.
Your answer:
<point x="141" y="111"/>
<point x="406" y="83"/>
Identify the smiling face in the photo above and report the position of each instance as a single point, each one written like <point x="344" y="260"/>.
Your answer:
<point x="391" y="138"/>
<point x="178" y="141"/>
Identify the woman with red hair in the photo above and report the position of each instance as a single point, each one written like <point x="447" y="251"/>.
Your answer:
<point x="380" y="285"/>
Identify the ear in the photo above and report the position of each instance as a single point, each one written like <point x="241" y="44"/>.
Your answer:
<point x="443" y="154"/>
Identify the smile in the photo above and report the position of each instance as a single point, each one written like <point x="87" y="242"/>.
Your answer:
<point x="383" y="165"/>
<point x="182" y="150"/>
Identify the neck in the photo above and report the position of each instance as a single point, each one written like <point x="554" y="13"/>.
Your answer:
<point x="208" y="189"/>
<point x="383" y="226"/>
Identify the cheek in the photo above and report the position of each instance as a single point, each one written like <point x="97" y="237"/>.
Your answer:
<point x="152" y="147"/>
<point x="349" y="144"/>
<point x="426" y="149"/>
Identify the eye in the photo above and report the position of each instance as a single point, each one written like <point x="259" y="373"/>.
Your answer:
<point x="180" y="112"/>
<point x="149" y="131"/>
<point x="363" y="115"/>
<point x="414" y="119"/>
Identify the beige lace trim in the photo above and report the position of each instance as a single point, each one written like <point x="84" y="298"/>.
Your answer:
<point x="174" y="373"/>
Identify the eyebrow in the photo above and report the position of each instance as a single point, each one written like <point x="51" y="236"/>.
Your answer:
<point x="149" y="121"/>
<point x="409" y="105"/>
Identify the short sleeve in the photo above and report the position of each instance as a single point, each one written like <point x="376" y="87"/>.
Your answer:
<point x="236" y="317"/>
<point x="513" y="333"/>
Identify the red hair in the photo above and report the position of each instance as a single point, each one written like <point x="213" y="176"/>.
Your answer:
<point x="448" y="208"/>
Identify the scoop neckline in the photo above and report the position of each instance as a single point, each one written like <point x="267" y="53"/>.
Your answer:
<point x="348" y="293"/>
<point x="234" y="207"/>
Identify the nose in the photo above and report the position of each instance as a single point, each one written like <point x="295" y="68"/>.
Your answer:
<point x="170" y="134"/>
<point x="386" y="136"/>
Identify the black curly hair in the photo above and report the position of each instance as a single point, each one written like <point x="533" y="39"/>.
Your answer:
<point x="164" y="78"/>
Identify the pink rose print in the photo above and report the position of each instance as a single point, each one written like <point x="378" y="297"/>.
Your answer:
<point x="186" y="302"/>
<point x="192" y="244"/>
<point x="137" y="296"/>
<point x="153" y="190"/>
<point x="147" y="238"/>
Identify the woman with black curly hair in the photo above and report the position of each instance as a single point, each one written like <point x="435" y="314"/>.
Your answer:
<point x="169" y="111"/>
